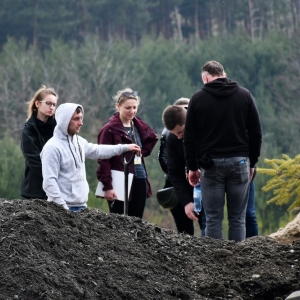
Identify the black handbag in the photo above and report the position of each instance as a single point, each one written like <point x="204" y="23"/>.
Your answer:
<point x="167" y="198"/>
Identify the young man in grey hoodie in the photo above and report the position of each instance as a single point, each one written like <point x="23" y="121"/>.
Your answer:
<point x="63" y="159"/>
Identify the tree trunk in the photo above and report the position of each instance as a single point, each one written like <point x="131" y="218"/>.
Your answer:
<point x="84" y="17"/>
<point x="196" y="20"/>
<point x="251" y="20"/>
<point x="178" y="23"/>
<point x="35" y="25"/>
<point x="295" y="8"/>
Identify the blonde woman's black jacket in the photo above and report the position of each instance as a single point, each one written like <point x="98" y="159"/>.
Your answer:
<point x="32" y="143"/>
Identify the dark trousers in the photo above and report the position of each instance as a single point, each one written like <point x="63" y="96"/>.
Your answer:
<point x="251" y="223"/>
<point x="136" y="205"/>
<point x="183" y="223"/>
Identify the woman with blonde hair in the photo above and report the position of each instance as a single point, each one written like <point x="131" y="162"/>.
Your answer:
<point x="125" y="128"/>
<point x="37" y="130"/>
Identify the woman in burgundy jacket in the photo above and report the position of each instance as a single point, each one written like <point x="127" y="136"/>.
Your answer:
<point x="125" y="128"/>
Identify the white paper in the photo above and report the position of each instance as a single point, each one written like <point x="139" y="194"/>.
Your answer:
<point x="118" y="183"/>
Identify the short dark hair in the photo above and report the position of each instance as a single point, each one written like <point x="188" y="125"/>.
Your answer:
<point x="213" y="68"/>
<point x="173" y="115"/>
<point x="182" y="101"/>
<point x="78" y="110"/>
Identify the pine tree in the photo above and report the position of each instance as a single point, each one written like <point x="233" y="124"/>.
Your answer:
<point x="285" y="181"/>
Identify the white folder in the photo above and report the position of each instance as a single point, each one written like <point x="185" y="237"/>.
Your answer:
<point x="118" y="183"/>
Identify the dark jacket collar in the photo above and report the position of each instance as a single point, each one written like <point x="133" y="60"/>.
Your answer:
<point x="116" y="122"/>
<point x="221" y="87"/>
<point x="33" y="120"/>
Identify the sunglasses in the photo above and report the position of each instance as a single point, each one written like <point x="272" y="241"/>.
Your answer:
<point x="49" y="103"/>
<point x="132" y="94"/>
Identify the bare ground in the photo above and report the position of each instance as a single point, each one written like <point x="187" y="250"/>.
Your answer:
<point x="47" y="252"/>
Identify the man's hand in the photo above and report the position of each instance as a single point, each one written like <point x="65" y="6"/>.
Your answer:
<point x="189" y="211"/>
<point x="194" y="177"/>
<point x="134" y="147"/>
<point x="65" y="206"/>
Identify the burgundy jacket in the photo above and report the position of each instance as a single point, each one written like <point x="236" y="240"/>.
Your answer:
<point x="113" y="133"/>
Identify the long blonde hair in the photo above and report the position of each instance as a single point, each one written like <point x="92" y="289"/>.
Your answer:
<point x="39" y="96"/>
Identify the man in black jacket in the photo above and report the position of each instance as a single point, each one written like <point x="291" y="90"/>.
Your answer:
<point x="222" y="138"/>
<point x="174" y="119"/>
<point x="162" y="152"/>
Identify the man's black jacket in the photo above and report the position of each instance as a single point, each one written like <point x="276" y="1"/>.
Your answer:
<point x="222" y="121"/>
<point x="177" y="169"/>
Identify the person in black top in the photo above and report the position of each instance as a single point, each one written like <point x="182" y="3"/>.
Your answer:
<point x="173" y="118"/>
<point x="222" y="138"/>
<point x="162" y="152"/>
<point x="37" y="130"/>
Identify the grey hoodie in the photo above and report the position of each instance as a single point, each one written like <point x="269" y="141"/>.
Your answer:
<point x="63" y="161"/>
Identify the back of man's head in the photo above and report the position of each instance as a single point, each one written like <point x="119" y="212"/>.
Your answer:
<point x="213" y="68"/>
<point x="173" y="115"/>
<point x="182" y="101"/>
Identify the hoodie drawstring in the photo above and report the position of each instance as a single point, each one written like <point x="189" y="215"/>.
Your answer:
<point x="79" y="148"/>
<point x="72" y="151"/>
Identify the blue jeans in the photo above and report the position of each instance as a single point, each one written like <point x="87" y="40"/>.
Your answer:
<point x="228" y="176"/>
<point x="77" y="208"/>
<point x="251" y="224"/>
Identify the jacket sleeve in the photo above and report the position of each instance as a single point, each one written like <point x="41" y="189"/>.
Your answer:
<point x="51" y="166"/>
<point x="162" y="152"/>
<point x="254" y="133"/>
<point x="31" y="151"/>
<point x="176" y="172"/>
<point x="147" y="135"/>
<point x="149" y="144"/>
<point x="104" y="165"/>
<point x="94" y="151"/>
<point x="190" y="137"/>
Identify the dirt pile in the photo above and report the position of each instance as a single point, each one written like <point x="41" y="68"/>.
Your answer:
<point x="49" y="253"/>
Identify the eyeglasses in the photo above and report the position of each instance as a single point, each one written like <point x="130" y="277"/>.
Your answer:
<point x="132" y="94"/>
<point x="49" y="103"/>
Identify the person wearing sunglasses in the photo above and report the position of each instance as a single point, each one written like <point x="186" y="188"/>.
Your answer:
<point x="125" y="128"/>
<point x="37" y="130"/>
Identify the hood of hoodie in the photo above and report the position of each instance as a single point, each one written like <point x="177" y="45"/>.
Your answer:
<point x="63" y="116"/>
<point x="221" y="87"/>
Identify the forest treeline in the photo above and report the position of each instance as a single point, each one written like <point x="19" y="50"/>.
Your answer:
<point x="163" y="67"/>
<point x="42" y="21"/>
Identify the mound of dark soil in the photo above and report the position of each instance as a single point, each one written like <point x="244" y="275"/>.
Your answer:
<point x="50" y="253"/>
